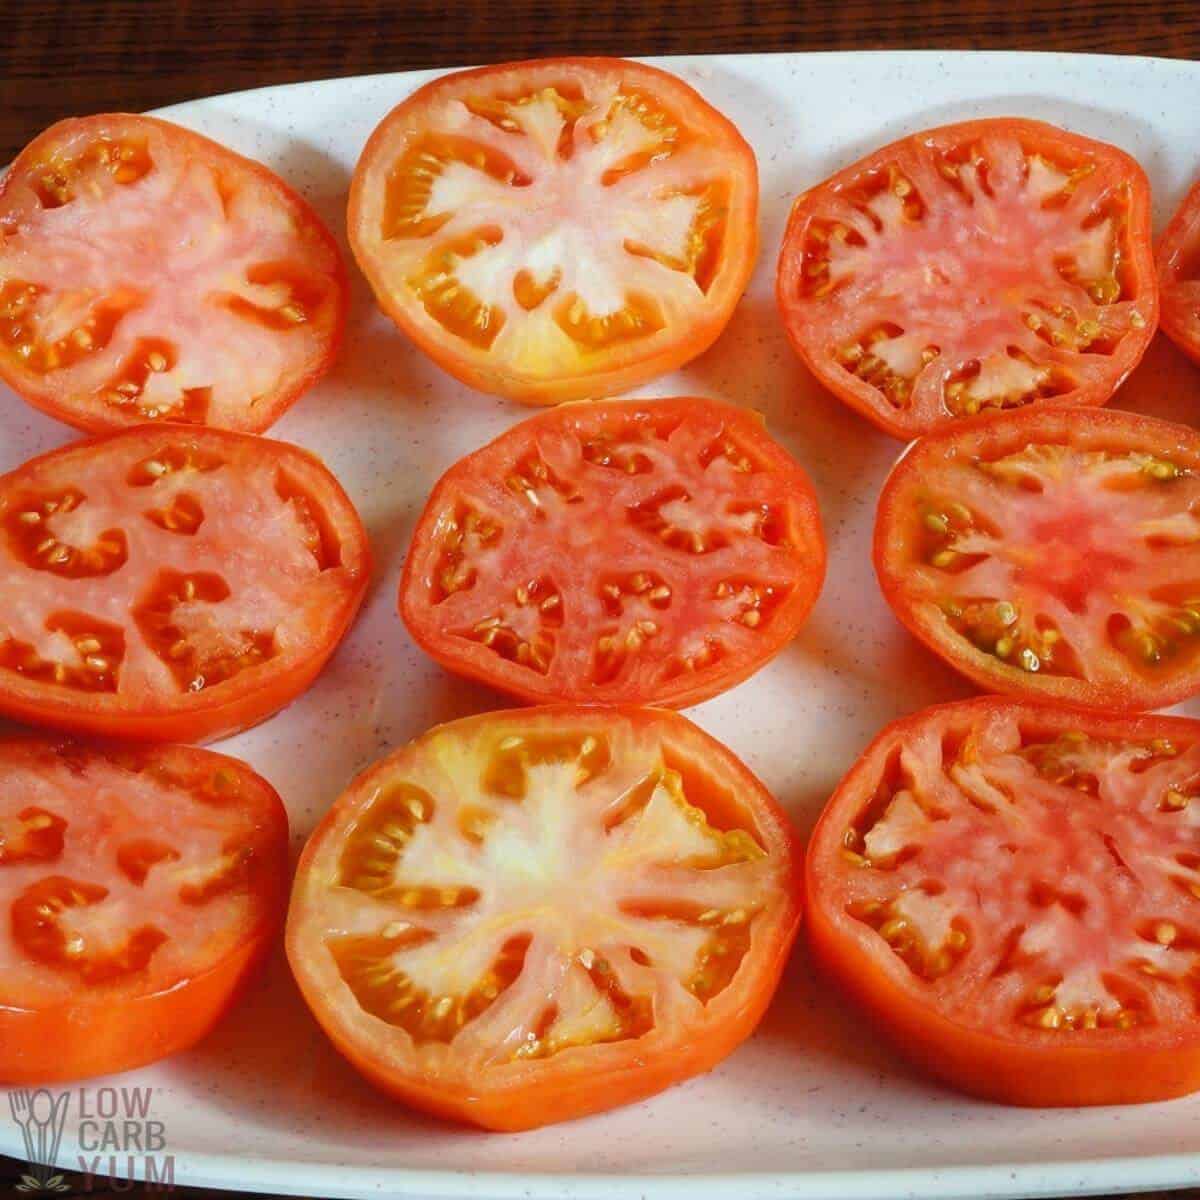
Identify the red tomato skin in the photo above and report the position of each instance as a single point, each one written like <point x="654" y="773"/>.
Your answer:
<point x="1037" y="1073"/>
<point x="584" y="1092"/>
<point x="198" y="726"/>
<point x="497" y="381"/>
<point x="414" y="610"/>
<point x="861" y="396"/>
<point x="1181" y="237"/>
<point x="1131" y="695"/>
<point x="198" y="723"/>
<point x="270" y="408"/>
<point x="521" y="1109"/>
<point x="96" y="1035"/>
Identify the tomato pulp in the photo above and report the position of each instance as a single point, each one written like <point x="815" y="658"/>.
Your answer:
<point x="141" y="886"/>
<point x="557" y="229"/>
<point x="1178" y="262"/>
<point x="1012" y="891"/>
<point x="1052" y="552"/>
<point x="170" y="582"/>
<point x="651" y="551"/>
<point x="527" y="916"/>
<point x="986" y="265"/>
<point x="150" y="274"/>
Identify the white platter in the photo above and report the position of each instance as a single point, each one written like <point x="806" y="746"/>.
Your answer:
<point x="812" y="1106"/>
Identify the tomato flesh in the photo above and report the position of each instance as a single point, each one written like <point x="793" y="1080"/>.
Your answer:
<point x="556" y="229"/>
<point x="171" y="582"/>
<point x="1012" y="891"/>
<point x="635" y="552"/>
<point x="149" y="274"/>
<point x="1178" y="262"/>
<point x="1052" y="553"/>
<point x="988" y="265"/>
<point x="526" y="916"/>
<point x="140" y="888"/>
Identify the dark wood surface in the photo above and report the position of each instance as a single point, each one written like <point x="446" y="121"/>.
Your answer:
<point x="63" y="57"/>
<point x="60" y="57"/>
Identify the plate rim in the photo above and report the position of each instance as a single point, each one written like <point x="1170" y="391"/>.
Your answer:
<point x="1001" y="1180"/>
<point x="1006" y="1179"/>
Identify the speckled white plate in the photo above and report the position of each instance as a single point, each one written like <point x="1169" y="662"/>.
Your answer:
<point x="812" y="1106"/>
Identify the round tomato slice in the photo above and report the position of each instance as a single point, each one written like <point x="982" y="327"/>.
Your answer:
<point x="1179" y="275"/>
<point x="527" y="916"/>
<point x="557" y="229"/>
<point x="653" y="551"/>
<point x="140" y="886"/>
<point x="171" y="583"/>
<point x="1012" y="891"/>
<point x="147" y="274"/>
<point x="991" y="264"/>
<point x="1052" y="552"/>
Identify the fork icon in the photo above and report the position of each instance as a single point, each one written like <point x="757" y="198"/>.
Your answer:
<point x="41" y="1118"/>
<point x="22" y="1113"/>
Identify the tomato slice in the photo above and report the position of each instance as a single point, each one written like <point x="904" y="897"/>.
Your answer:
<point x="140" y="886"/>
<point x="526" y="916"/>
<point x="171" y="583"/>
<point x="1178" y="263"/>
<point x="991" y="264"/>
<point x="1052" y="552"/>
<point x="150" y="274"/>
<point x="1011" y="891"/>
<point x="557" y="229"/>
<point x="652" y="551"/>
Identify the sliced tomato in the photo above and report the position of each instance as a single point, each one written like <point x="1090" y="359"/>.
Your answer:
<point x="171" y="583"/>
<point x="1179" y="275"/>
<point x="150" y="274"/>
<point x="1011" y="892"/>
<point x="652" y="551"/>
<point x="1052" y="552"/>
<point x="991" y="264"/>
<point x="527" y="916"/>
<point x="140" y="886"/>
<point x="557" y="229"/>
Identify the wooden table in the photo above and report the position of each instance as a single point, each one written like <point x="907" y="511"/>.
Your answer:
<point x="60" y="57"/>
<point x="63" y="57"/>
